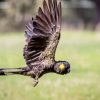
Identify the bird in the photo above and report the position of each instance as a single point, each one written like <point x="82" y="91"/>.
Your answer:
<point x="42" y="37"/>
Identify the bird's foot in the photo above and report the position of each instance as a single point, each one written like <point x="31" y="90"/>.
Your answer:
<point x="35" y="82"/>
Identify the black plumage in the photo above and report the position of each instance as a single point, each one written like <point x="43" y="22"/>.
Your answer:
<point x="42" y="37"/>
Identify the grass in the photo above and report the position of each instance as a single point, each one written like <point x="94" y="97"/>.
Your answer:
<point x="83" y="83"/>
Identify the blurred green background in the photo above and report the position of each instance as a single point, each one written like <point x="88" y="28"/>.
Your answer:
<point x="79" y="46"/>
<point x="81" y="49"/>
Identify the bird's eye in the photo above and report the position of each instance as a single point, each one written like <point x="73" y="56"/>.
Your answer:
<point x="62" y="67"/>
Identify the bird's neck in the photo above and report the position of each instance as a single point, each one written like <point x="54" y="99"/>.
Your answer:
<point x="49" y="70"/>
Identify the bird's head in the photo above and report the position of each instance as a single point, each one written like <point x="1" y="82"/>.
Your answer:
<point x="62" y="67"/>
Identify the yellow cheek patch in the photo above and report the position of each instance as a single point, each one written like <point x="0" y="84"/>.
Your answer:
<point x="62" y="67"/>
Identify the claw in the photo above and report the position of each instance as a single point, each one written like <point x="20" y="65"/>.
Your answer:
<point x="35" y="82"/>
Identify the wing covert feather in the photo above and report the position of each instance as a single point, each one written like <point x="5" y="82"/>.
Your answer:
<point x="43" y="31"/>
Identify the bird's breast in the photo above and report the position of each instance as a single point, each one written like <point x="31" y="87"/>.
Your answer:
<point x="48" y="62"/>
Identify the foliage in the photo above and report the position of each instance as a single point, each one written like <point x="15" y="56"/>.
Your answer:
<point x="17" y="13"/>
<point x="20" y="11"/>
<point x="82" y="9"/>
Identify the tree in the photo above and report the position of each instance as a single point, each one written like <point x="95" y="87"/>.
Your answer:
<point x="18" y="10"/>
<point x="97" y="17"/>
<point x="2" y="12"/>
<point x="84" y="10"/>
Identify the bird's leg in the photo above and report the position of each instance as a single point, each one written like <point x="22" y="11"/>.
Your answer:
<point x="35" y="81"/>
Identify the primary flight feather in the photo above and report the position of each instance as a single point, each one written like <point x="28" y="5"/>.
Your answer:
<point x="42" y="37"/>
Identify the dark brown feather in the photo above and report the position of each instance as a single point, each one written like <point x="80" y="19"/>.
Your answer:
<point x="42" y="35"/>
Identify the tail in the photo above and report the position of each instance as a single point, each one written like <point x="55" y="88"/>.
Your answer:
<point x="11" y="71"/>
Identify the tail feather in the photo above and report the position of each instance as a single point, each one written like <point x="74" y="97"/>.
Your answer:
<point x="11" y="71"/>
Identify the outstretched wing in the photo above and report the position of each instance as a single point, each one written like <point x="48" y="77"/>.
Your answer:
<point x="43" y="33"/>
